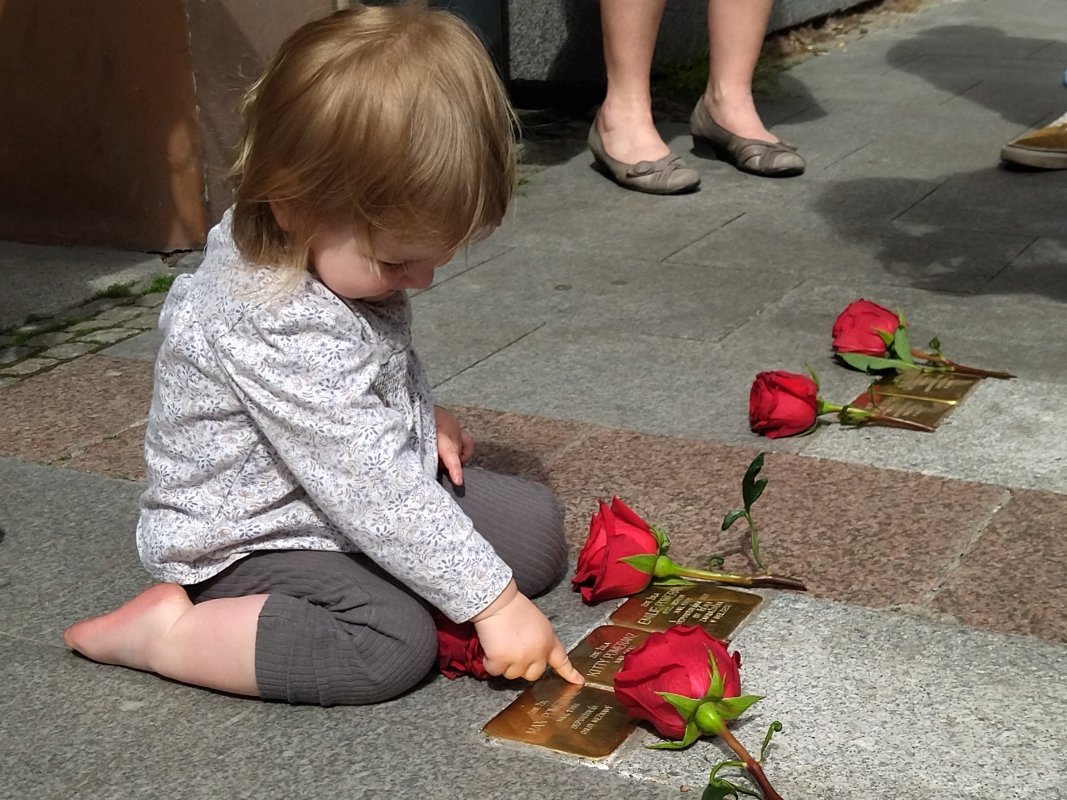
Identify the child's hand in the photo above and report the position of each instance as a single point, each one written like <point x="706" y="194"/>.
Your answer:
<point x="454" y="445"/>
<point x="518" y="639"/>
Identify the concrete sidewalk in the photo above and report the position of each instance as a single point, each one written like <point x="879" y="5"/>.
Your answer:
<point x="604" y="342"/>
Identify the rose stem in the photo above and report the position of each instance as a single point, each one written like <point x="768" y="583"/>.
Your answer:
<point x="978" y="371"/>
<point x="753" y="766"/>
<point x="900" y="423"/>
<point x="740" y="580"/>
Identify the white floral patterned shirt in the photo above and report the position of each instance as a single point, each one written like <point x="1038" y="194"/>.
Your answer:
<point x="298" y="421"/>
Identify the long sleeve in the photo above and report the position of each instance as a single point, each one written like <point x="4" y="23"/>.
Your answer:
<point x="312" y="383"/>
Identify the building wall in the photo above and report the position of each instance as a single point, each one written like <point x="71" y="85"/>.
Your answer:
<point x="99" y="142"/>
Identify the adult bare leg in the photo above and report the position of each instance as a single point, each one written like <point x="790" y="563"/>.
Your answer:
<point x="625" y="119"/>
<point x="736" y="29"/>
<point x="211" y="644"/>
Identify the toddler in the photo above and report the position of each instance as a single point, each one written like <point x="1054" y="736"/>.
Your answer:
<point x="294" y="511"/>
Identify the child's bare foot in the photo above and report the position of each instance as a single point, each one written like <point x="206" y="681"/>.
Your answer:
<point x="124" y="636"/>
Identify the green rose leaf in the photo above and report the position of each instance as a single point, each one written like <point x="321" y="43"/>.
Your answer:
<point x="872" y="363"/>
<point x="645" y="562"/>
<point x="733" y="707"/>
<point x="692" y="733"/>
<point x="749" y="492"/>
<point x="901" y="346"/>
<point x="663" y="541"/>
<point x="885" y="336"/>
<point x="732" y="517"/>
<point x="686" y="706"/>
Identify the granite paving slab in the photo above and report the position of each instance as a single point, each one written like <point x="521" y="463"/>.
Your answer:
<point x="142" y="347"/>
<point x="867" y="536"/>
<point x="1023" y="334"/>
<point x="517" y="443"/>
<point x="991" y="201"/>
<point x="65" y="717"/>
<point x="1012" y="579"/>
<point x="76" y="404"/>
<point x="120" y="456"/>
<point x="1007" y="433"/>
<point x="877" y="706"/>
<point x="894" y="254"/>
<point x="656" y="384"/>
<point x="611" y="294"/>
<point x="69" y="537"/>
<point x="1041" y="269"/>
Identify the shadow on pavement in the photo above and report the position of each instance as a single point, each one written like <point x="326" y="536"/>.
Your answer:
<point x="926" y="55"/>
<point x="978" y="233"/>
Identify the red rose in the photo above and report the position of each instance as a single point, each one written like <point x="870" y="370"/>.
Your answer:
<point x="674" y="661"/>
<point x="856" y="328"/>
<point x="614" y="533"/>
<point x="458" y="650"/>
<point x="782" y="404"/>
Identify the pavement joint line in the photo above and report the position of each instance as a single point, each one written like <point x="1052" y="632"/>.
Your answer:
<point x="13" y="637"/>
<point x="849" y="155"/>
<point x="909" y="208"/>
<point x="1046" y="46"/>
<point x="490" y="355"/>
<point x="77" y="450"/>
<point x="1011" y="261"/>
<point x="903" y="64"/>
<point x="761" y="310"/>
<point x="953" y="564"/>
<point x="701" y="237"/>
<point x="470" y="268"/>
<point x="960" y="93"/>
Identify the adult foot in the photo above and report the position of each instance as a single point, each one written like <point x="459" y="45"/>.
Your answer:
<point x="124" y="636"/>
<point x="738" y="116"/>
<point x="628" y="133"/>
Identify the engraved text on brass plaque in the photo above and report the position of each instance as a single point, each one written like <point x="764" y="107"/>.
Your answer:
<point x="579" y="720"/>
<point x="719" y="611"/>
<point x="599" y="655"/>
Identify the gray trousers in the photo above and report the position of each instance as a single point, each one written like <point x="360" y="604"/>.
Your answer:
<point x="338" y="630"/>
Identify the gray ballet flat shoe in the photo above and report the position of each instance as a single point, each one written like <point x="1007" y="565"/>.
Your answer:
<point x="667" y="175"/>
<point x="758" y="157"/>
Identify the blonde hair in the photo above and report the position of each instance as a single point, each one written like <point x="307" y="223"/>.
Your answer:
<point x="391" y="117"/>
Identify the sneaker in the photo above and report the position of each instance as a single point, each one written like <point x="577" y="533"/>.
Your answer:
<point x="1045" y="148"/>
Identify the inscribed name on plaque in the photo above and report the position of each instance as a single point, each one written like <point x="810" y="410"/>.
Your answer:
<point x="717" y="610"/>
<point x="599" y="655"/>
<point x="943" y="387"/>
<point x="578" y="720"/>
<point x="914" y="409"/>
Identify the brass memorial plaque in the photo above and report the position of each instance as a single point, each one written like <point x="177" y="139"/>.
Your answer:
<point x="717" y="610"/>
<point x="599" y="655"/>
<point x="922" y="410"/>
<point x="578" y="720"/>
<point x="944" y="387"/>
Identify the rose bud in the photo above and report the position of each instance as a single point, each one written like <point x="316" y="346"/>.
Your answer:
<point x="686" y="683"/>
<point x="856" y="328"/>
<point x="458" y="650"/>
<point x="615" y="532"/>
<point x="675" y="661"/>
<point x="782" y="404"/>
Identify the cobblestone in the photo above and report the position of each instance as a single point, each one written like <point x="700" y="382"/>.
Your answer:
<point x="144" y="323"/>
<point x="48" y="339"/>
<point x="152" y="300"/>
<point x="117" y="315"/>
<point x="103" y="304"/>
<point x="109" y="335"/>
<point x="28" y="367"/>
<point x="12" y="354"/>
<point x="64" y="352"/>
